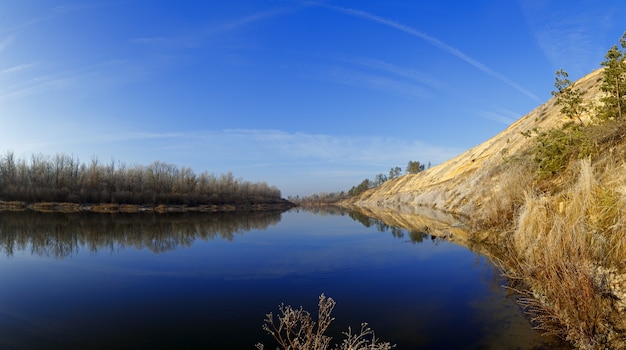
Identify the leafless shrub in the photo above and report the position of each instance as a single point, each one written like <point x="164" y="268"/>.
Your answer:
<point x="296" y="330"/>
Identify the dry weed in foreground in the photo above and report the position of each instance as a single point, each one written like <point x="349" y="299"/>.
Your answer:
<point x="296" y="330"/>
<point x="560" y="247"/>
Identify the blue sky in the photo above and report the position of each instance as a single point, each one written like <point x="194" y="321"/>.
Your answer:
<point x="308" y="96"/>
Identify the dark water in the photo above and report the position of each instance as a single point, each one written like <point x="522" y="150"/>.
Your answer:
<point x="205" y="281"/>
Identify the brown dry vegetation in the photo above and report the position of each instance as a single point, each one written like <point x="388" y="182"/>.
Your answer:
<point x="558" y="231"/>
<point x="63" y="183"/>
<point x="295" y="329"/>
<point x="568" y="249"/>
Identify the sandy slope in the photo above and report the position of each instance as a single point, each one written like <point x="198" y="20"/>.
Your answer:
<point x="462" y="184"/>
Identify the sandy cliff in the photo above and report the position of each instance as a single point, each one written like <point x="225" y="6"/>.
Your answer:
<point x="561" y="236"/>
<point x="462" y="184"/>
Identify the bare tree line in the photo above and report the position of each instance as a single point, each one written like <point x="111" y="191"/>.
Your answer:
<point x="63" y="178"/>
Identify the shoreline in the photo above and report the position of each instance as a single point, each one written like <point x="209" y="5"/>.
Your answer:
<point x="65" y="207"/>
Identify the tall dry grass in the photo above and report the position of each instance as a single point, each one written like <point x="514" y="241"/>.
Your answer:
<point x="505" y="197"/>
<point x="562" y="246"/>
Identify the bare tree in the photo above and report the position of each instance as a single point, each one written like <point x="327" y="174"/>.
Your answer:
<point x="64" y="179"/>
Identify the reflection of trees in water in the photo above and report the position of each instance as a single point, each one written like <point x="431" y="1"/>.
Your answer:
<point x="414" y="236"/>
<point x="61" y="235"/>
<point x="324" y="210"/>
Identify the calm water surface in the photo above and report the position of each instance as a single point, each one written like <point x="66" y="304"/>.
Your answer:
<point x="206" y="281"/>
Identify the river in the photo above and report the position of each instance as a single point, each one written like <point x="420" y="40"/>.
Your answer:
<point x="206" y="281"/>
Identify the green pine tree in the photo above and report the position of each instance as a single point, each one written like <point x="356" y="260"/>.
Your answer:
<point x="568" y="97"/>
<point x="614" y="83"/>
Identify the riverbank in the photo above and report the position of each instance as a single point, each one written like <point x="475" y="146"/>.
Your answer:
<point x="547" y="195"/>
<point x="64" y="207"/>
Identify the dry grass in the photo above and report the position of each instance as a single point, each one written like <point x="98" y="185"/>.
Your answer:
<point x="504" y="199"/>
<point x="561" y="247"/>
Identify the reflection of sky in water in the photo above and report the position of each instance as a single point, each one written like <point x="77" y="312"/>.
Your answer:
<point x="215" y="292"/>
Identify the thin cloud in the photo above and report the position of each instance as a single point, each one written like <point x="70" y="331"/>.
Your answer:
<point x="501" y="116"/>
<point x="28" y="23"/>
<point x="109" y="72"/>
<point x="232" y="25"/>
<point x="79" y="6"/>
<point x="340" y="149"/>
<point x="6" y="41"/>
<point x="376" y="82"/>
<point x="151" y="40"/>
<point x="38" y="84"/>
<point x="17" y="68"/>
<point x="374" y="74"/>
<point x="403" y="72"/>
<point x="132" y="136"/>
<point x="193" y="40"/>
<point x="268" y="146"/>
<point x="566" y="39"/>
<point x="433" y="41"/>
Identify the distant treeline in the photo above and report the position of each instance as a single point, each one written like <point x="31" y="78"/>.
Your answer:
<point x="63" y="178"/>
<point x="329" y="198"/>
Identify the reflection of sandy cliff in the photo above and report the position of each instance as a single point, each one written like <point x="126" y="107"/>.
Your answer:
<point x="415" y="220"/>
<point x="419" y="222"/>
<point x="60" y="235"/>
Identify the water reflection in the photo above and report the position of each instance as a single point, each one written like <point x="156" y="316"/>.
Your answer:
<point x="415" y="236"/>
<point x="327" y="210"/>
<point x="214" y="294"/>
<point x="62" y="235"/>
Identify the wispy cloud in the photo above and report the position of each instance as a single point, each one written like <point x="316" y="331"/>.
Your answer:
<point x="375" y="74"/>
<point x="34" y="85"/>
<point x="243" y="21"/>
<point x="97" y="74"/>
<point x="130" y="136"/>
<point x="433" y="41"/>
<point x="502" y="116"/>
<point x="377" y="82"/>
<point x="254" y="146"/>
<point x="6" y="41"/>
<point x="404" y="72"/>
<point x="199" y="35"/>
<point x="18" y="68"/>
<point x="340" y="149"/>
<point x="151" y="40"/>
<point x="59" y="11"/>
<point x="567" y="39"/>
<point x="85" y="5"/>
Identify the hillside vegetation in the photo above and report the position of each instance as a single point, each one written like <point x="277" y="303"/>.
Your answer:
<point x="548" y="194"/>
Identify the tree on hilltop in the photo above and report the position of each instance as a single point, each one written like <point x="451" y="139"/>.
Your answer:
<point x="394" y="172"/>
<point x="569" y="98"/>
<point x="614" y="83"/>
<point x="379" y="179"/>
<point x="414" y="167"/>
